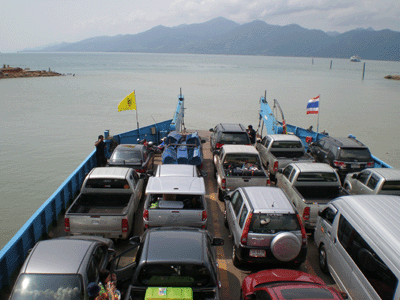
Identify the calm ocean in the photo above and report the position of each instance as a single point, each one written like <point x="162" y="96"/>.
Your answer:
<point x="49" y="125"/>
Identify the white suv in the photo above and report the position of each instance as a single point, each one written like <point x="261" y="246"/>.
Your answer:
<point x="265" y="227"/>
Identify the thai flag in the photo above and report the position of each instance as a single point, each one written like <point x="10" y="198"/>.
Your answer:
<point x="313" y="105"/>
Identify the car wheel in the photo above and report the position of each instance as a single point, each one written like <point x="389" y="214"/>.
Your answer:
<point x="235" y="260"/>
<point x="323" y="264"/>
<point x="220" y="195"/>
<point x="285" y="246"/>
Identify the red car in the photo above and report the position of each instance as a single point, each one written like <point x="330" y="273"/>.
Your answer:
<point x="280" y="284"/>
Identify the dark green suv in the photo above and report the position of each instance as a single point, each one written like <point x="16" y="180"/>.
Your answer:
<point x="345" y="154"/>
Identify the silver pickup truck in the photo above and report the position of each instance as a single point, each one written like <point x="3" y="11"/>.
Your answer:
<point x="175" y="197"/>
<point x="279" y="150"/>
<point x="238" y="166"/>
<point x="310" y="186"/>
<point x="106" y="204"/>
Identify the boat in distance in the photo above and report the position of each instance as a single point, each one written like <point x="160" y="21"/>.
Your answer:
<point x="41" y="223"/>
<point x="355" y="58"/>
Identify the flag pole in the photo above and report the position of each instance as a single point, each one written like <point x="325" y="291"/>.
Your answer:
<point x="137" y="120"/>
<point x="319" y="105"/>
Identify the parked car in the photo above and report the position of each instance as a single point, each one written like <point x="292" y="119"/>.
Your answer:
<point x="136" y="156"/>
<point x="385" y="181"/>
<point x="265" y="227"/>
<point x="358" y="238"/>
<point x="172" y="257"/>
<point x="279" y="150"/>
<point x="63" y="266"/>
<point x="228" y="133"/>
<point x="345" y="154"/>
<point x="282" y="284"/>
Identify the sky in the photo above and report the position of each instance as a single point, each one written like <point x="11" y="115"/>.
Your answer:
<point x="29" y="24"/>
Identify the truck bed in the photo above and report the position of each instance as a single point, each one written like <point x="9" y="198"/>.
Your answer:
<point x="100" y="204"/>
<point x="320" y="194"/>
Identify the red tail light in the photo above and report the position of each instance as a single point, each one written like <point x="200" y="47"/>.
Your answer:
<point x="125" y="225"/>
<point x="303" y="231"/>
<point x="145" y="215"/>
<point x="243" y="239"/>
<point x="268" y="181"/>
<point x="218" y="145"/>
<point x="204" y="215"/>
<point x="141" y="171"/>
<point x="306" y="213"/>
<point x="66" y="224"/>
<point x="276" y="166"/>
<point x="223" y="183"/>
<point x="339" y="164"/>
<point x="370" y="165"/>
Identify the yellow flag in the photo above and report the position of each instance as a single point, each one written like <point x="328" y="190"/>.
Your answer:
<point x="129" y="103"/>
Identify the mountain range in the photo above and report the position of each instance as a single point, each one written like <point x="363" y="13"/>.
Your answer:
<point x="222" y="36"/>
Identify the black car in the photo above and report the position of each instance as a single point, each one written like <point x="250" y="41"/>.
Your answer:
<point x="180" y="257"/>
<point x="227" y="133"/>
<point x="345" y="154"/>
<point x="136" y="156"/>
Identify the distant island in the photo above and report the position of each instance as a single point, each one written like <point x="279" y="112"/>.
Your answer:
<point x="11" y="72"/>
<point x="394" y="77"/>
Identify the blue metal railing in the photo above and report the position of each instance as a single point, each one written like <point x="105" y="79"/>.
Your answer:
<point x="38" y="226"/>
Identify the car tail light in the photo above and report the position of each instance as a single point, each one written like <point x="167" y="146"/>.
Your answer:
<point x="66" y="224"/>
<point x="141" y="170"/>
<point x="218" y="145"/>
<point x="370" y="164"/>
<point x="243" y="239"/>
<point x="268" y="181"/>
<point x="303" y="230"/>
<point x="125" y="225"/>
<point x="145" y="215"/>
<point x="204" y="215"/>
<point x="339" y="164"/>
<point x="306" y="213"/>
<point x="223" y="183"/>
<point x="276" y="166"/>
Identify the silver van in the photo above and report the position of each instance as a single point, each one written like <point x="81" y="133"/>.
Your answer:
<point x="265" y="227"/>
<point x="358" y="238"/>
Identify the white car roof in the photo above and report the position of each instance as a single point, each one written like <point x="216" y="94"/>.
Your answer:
<point x="176" y="170"/>
<point x="176" y="185"/>
<point x="240" y="149"/>
<point x="109" y="172"/>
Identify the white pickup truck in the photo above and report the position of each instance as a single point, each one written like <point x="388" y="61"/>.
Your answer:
<point x="279" y="150"/>
<point x="310" y="186"/>
<point x="106" y="204"/>
<point x="175" y="197"/>
<point x="238" y="166"/>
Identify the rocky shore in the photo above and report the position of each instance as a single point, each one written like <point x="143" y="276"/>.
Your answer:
<point x="9" y="72"/>
<point x="394" y="77"/>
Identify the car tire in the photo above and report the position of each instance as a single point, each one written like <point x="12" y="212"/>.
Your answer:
<point x="235" y="260"/>
<point x="220" y="195"/>
<point x="323" y="262"/>
<point x="285" y="246"/>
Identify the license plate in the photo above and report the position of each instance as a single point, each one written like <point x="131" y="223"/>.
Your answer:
<point x="257" y="253"/>
<point x="355" y="166"/>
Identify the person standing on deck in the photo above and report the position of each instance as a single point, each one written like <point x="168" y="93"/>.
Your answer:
<point x="100" y="156"/>
<point x="252" y="134"/>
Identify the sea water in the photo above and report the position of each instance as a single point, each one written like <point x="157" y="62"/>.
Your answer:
<point x="49" y="124"/>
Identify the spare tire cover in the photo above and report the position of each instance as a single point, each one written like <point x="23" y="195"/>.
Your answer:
<point x="285" y="246"/>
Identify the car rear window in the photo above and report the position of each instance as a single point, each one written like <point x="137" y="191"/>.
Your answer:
<point x="287" y="144"/>
<point x="272" y="223"/>
<point x="127" y="155"/>
<point x="107" y="184"/>
<point x="174" y="275"/>
<point x="235" y="138"/>
<point x="354" y="153"/>
<point x="391" y="186"/>
<point x="48" y="286"/>
<point x="317" y="176"/>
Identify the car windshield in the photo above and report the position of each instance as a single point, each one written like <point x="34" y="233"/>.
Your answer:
<point x="306" y="293"/>
<point x="181" y="275"/>
<point x="235" y="138"/>
<point x="48" y="287"/>
<point x="272" y="223"/>
<point x="126" y="155"/>
<point x="350" y="153"/>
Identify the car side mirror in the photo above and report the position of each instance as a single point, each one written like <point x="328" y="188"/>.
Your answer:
<point x="204" y="174"/>
<point x="344" y="295"/>
<point x="134" y="240"/>
<point x="216" y="152"/>
<point x="227" y="197"/>
<point x="280" y="171"/>
<point x="258" y="141"/>
<point x="354" y="176"/>
<point x="211" y="130"/>
<point x="320" y="213"/>
<point x="111" y="252"/>
<point x="217" y="242"/>
<point x="142" y="176"/>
